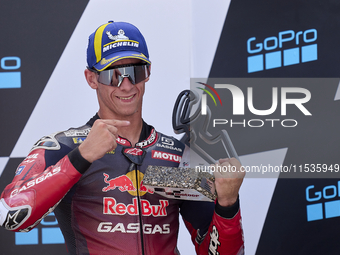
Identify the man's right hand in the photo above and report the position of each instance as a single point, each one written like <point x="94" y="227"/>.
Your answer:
<point x="101" y="139"/>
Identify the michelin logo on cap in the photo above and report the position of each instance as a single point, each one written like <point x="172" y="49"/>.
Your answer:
<point x="119" y="36"/>
<point x="119" y="40"/>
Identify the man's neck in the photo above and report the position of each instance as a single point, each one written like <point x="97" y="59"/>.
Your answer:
<point x="132" y="132"/>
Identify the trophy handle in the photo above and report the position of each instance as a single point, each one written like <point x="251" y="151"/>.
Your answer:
<point x="184" y="116"/>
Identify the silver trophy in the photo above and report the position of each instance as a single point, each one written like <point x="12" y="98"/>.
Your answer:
<point x="190" y="183"/>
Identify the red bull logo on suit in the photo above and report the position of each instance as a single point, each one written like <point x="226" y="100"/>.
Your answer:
<point x="112" y="207"/>
<point x="127" y="183"/>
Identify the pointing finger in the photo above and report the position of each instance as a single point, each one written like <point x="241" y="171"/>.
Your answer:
<point x="117" y="123"/>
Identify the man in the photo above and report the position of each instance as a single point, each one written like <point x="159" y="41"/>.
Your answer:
<point x="91" y="176"/>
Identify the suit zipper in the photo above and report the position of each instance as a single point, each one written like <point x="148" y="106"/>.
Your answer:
<point x="139" y="209"/>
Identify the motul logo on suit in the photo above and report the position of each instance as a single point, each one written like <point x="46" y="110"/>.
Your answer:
<point x="166" y="156"/>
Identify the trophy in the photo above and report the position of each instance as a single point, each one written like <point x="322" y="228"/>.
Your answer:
<point x="190" y="183"/>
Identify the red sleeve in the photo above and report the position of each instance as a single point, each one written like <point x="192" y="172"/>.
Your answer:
<point x="35" y="191"/>
<point x="225" y="236"/>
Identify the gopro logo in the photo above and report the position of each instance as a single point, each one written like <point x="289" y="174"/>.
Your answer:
<point x="10" y="79"/>
<point x="49" y="233"/>
<point x="274" y="57"/>
<point x="320" y="210"/>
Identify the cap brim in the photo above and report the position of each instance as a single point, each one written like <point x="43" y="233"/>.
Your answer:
<point x="110" y="59"/>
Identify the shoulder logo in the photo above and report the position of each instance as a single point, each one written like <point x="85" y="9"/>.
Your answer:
<point x="47" y="142"/>
<point x="120" y="36"/>
<point x="77" y="132"/>
<point x="168" y="143"/>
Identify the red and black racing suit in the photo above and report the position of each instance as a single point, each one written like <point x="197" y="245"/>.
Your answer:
<point x="104" y="208"/>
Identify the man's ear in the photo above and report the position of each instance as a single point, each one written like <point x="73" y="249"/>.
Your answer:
<point x="91" y="78"/>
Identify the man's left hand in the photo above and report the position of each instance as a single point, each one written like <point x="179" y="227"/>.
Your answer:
<point x="228" y="180"/>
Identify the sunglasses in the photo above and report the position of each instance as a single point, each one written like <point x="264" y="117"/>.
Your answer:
<point x="114" y="76"/>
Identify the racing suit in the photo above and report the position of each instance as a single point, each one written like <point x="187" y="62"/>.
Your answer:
<point x="104" y="208"/>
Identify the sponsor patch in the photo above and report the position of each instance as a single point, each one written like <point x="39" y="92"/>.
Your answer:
<point x="166" y="156"/>
<point x="133" y="228"/>
<point x="19" y="170"/>
<point x="15" y="217"/>
<point x="134" y="151"/>
<point x="150" y="140"/>
<point x="167" y="141"/>
<point x="122" y="141"/>
<point x="127" y="183"/>
<point x="112" y="207"/>
<point x="76" y="132"/>
<point x="35" y="181"/>
<point x="47" y="142"/>
<point x="214" y="242"/>
<point x="78" y="140"/>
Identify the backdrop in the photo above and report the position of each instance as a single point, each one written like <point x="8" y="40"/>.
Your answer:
<point x="43" y="90"/>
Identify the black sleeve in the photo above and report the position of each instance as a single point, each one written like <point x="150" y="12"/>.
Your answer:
<point x="227" y="212"/>
<point x="199" y="214"/>
<point x="78" y="161"/>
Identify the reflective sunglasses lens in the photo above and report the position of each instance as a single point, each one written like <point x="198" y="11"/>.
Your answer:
<point x="114" y="77"/>
<point x="108" y="77"/>
<point x="141" y="73"/>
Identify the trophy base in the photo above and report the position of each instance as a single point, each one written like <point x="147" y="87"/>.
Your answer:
<point x="180" y="183"/>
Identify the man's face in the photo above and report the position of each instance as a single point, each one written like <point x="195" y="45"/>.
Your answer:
<point x="121" y="102"/>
